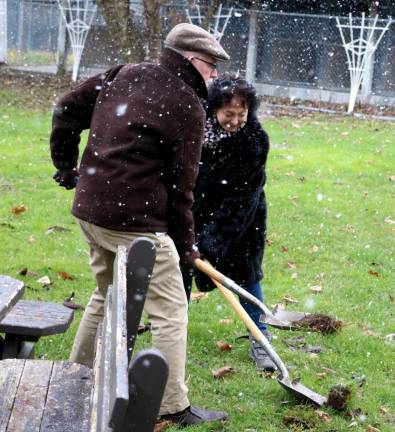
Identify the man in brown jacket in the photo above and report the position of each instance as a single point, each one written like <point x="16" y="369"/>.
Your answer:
<point x="136" y="178"/>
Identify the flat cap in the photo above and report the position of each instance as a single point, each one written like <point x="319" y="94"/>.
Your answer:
<point x="190" y="37"/>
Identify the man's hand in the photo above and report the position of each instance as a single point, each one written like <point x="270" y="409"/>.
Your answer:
<point x="67" y="178"/>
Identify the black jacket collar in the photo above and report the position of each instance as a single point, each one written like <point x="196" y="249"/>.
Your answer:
<point x="184" y="69"/>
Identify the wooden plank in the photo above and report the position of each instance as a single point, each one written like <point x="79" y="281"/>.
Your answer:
<point x="103" y="398"/>
<point x="37" y="318"/>
<point x="10" y="375"/>
<point x="148" y="374"/>
<point x="96" y="378"/>
<point x="68" y="400"/>
<point x="10" y="291"/>
<point x="30" y="399"/>
<point x="118" y="385"/>
<point x="140" y="264"/>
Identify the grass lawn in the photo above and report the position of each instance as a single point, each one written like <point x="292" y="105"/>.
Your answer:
<point x="331" y="226"/>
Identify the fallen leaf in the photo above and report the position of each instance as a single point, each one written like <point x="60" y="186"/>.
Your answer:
<point x="384" y="410"/>
<point x="289" y="299"/>
<point x="222" y="372"/>
<point x="56" y="228"/>
<point x="374" y="273"/>
<point x="291" y="265"/>
<point x="372" y="429"/>
<point x="45" y="280"/>
<point x="284" y="249"/>
<point x="64" y="275"/>
<point x="72" y="305"/>
<point x="294" y="276"/>
<point x="316" y="288"/>
<point x="391" y="178"/>
<point x="390" y="337"/>
<point x="196" y="296"/>
<point x="369" y="332"/>
<point x="322" y="375"/>
<point x="226" y="321"/>
<point x="325" y="417"/>
<point x="269" y="242"/>
<point x="19" y="209"/>
<point x="224" y="346"/>
<point x="389" y="221"/>
<point x="162" y="425"/>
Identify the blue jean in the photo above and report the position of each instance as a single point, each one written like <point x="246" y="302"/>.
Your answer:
<point x="254" y="289"/>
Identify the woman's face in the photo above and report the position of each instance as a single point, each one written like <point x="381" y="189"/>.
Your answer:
<point x="233" y="115"/>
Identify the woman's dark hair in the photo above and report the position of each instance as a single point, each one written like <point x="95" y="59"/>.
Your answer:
<point x="224" y="88"/>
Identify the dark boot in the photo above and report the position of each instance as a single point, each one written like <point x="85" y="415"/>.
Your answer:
<point x="262" y="361"/>
<point x="193" y="415"/>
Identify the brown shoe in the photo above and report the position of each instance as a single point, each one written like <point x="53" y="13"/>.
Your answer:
<point x="194" y="415"/>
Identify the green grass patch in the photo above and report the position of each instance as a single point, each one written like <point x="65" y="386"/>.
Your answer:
<point x="331" y="224"/>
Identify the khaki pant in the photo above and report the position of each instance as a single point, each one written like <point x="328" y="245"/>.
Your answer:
<point x="166" y="306"/>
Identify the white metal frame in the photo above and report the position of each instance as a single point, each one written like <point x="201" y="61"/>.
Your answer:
<point x="78" y="16"/>
<point x="359" y="49"/>
<point x="213" y="28"/>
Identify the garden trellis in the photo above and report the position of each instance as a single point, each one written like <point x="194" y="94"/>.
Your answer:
<point x="213" y="29"/>
<point x="78" y="16"/>
<point x="363" y="41"/>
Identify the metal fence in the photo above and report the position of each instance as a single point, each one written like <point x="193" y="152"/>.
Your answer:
<point x="273" y="49"/>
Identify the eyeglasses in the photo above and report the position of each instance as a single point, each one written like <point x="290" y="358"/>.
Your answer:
<point x="213" y="65"/>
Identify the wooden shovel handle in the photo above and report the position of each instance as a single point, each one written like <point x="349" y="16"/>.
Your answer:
<point x="217" y="277"/>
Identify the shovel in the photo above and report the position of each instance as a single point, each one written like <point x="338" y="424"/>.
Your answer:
<point x="293" y="386"/>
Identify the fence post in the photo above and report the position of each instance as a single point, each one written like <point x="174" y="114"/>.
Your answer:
<point x="3" y="31"/>
<point x="61" y="54"/>
<point x="252" y="47"/>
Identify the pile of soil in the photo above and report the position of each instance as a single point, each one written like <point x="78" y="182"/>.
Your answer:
<point x="325" y="324"/>
<point x="339" y="396"/>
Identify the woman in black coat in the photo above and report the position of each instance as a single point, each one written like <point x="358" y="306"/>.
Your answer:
<point x="230" y="205"/>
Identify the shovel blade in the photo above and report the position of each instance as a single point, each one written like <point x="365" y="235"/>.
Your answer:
<point x="302" y="392"/>
<point x="283" y="319"/>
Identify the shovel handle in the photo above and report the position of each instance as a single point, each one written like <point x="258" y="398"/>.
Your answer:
<point x="210" y="271"/>
<point x="215" y="275"/>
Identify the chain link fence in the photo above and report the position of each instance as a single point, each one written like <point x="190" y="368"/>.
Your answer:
<point x="276" y="50"/>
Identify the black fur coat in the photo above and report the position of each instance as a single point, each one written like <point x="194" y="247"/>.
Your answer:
<point x="230" y="205"/>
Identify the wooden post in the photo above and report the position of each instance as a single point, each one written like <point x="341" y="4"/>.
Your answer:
<point x="3" y="31"/>
<point x="252" y="47"/>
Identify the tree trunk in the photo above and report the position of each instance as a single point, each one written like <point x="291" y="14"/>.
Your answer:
<point x="124" y="33"/>
<point x="153" y="28"/>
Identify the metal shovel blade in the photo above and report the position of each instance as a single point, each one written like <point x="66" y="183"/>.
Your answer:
<point x="284" y="319"/>
<point x="302" y="392"/>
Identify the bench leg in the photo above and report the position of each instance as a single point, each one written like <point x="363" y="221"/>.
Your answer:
<point x="148" y="373"/>
<point x="15" y="346"/>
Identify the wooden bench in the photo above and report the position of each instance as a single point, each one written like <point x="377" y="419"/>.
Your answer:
<point x="120" y="394"/>
<point x="29" y="320"/>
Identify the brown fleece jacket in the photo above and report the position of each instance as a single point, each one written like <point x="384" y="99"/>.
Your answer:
<point x="141" y="161"/>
